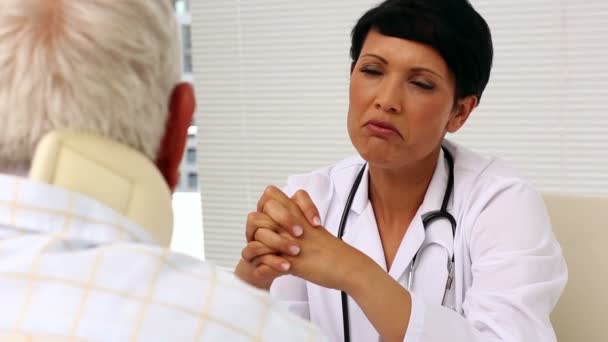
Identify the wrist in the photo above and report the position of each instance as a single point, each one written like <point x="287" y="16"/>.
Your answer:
<point x="360" y="274"/>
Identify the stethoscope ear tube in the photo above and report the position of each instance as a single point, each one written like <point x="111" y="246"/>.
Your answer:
<point x="349" y="201"/>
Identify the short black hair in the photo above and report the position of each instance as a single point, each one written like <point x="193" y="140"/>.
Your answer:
<point x="452" y="27"/>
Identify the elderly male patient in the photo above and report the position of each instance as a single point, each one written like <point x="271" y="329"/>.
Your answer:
<point x="72" y="268"/>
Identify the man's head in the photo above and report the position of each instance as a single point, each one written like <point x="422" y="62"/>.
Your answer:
<point x="105" y="67"/>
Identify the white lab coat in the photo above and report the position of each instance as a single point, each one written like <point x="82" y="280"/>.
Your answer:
<point x="509" y="268"/>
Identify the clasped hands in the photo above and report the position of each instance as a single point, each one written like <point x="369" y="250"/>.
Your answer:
<point x="285" y="236"/>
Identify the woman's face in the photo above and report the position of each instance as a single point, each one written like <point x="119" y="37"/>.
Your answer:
<point x="401" y="102"/>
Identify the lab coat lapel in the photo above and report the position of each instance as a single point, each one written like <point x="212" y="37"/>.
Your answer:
<point x="368" y="239"/>
<point x="438" y="247"/>
<point x="365" y="238"/>
<point x="407" y="249"/>
<point x="431" y="270"/>
<point x="362" y="231"/>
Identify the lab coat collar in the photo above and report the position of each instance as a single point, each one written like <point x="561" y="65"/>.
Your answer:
<point x="345" y="179"/>
<point x="366" y="236"/>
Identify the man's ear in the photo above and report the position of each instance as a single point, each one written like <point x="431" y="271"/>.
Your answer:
<point x="461" y="113"/>
<point x="181" y="109"/>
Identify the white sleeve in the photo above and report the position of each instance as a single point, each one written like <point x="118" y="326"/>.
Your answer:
<point x="518" y="275"/>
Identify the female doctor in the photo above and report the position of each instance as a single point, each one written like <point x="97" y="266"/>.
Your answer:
<point x="416" y="238"/>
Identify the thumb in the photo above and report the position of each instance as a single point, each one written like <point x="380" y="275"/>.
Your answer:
<point x="308" y="208"/>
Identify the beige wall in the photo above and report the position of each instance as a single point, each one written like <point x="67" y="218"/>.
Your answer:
<point x="580" y="225"/>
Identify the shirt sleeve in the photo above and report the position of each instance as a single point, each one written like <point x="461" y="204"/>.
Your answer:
<point x="518" y="274"/>
<point x="270" y="320"/>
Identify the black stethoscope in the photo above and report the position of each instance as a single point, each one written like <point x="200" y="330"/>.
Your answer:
<point x="427" y="219"/>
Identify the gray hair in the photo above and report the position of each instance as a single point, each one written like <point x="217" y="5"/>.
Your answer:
<point x="100" y="66"/>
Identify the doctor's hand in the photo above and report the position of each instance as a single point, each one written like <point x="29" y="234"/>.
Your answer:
<point x="323" y="259"/>
<point x="287" y="210"/>
<point x="329" y="262"/>
<point x="262" y="263"/>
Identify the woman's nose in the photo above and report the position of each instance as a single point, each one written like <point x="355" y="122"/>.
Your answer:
<point x="389" y="98"/>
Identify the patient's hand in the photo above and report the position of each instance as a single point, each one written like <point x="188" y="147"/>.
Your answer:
<point x="322" y="258"/>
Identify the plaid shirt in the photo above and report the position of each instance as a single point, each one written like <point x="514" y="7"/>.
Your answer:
<point x="73" y="269"/>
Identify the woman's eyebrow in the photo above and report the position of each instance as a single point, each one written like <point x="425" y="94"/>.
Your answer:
<point x="382" y="59"/>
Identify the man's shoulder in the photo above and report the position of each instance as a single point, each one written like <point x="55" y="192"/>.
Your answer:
<point x="203" y="292"/>
<point x="122" y="291"/>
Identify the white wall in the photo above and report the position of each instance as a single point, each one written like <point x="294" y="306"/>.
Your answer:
<point x="187" y="235"/>
<point x="272" y="78"/>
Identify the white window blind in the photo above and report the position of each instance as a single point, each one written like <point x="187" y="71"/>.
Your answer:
<point x="545" y="110"/>
<point x="272" y="87"/>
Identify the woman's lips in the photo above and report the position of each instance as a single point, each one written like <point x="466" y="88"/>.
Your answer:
<point x="382" y="129"/>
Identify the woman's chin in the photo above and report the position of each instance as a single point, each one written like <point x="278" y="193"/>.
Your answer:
<point x="378" y="158"/>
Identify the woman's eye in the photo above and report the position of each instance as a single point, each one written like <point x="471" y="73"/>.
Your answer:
<point x="423" y="85"/>
<point x="371" y="72"/>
